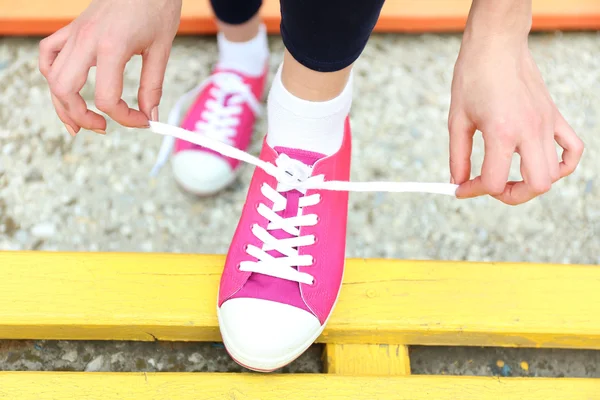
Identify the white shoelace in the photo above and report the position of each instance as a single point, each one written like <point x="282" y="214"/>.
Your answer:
<point x="221" y="117"/>
<point x="291" y="175"/>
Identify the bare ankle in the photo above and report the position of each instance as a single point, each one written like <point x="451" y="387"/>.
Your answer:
<point x="312" y="85"/>
<point x="240" y="33"/>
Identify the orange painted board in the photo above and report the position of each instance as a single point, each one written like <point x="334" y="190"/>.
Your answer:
<point x="41" y="17"/>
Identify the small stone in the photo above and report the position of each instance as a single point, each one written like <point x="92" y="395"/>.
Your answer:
<point x="70" y="356"/>
<point x="34" y="175"/>
<point x="117" y="358"/>
<point x="68" y="200"/>
<point x="8" y="148"/>
<point x="196" y="358"/>
<point x="482" y="234"/>
<point x="95" y="365"/>
<point x="136" y="149"/>
<point x="126" y="230"/>
<point x="21" y="236"/>
<point x="149" y="207"/>
<point x="80" y="175"/>
<point x="147" y="247"/>
<point x="44" y="230"/>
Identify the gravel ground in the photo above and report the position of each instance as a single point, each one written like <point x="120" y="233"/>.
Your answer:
<point x="53" y="191"/>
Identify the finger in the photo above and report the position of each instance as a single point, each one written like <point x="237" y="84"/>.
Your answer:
<point x="70" y="125"/>
<point x="67" y="79"/>
<point x="572" y="146"/>
<point x="551" y="160"/>
<point x="494" y="172"/>
<point x="461" y="131"/>
<point x="153" y="73"/>
<point x="536" y="179"/>
<point x="50" y="47"/>
<point x="109" y="89"/>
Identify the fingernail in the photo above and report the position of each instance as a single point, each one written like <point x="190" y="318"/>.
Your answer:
<point x="452" y="180"/>
<point x="154" y="114"/>
<point x="70" y="130"/>
<point x="99" y="131"/>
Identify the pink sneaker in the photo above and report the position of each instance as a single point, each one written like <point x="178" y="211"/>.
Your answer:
<point x="225" y="109"/>
<point x="284" y="268"/>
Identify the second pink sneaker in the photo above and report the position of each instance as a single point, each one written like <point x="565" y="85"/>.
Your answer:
<point x="225" y="109"/>
<point x="284" y="268"/>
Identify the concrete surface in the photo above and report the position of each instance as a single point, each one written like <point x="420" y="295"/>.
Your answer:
<point x="94" y="194"/>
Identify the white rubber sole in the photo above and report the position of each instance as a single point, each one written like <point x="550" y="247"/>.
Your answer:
<point x="272" y="364"/>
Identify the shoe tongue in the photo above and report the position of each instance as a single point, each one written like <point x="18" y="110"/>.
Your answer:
<point x="304" y="156"/>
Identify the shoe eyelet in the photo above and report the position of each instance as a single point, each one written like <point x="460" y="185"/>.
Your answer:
<point x="239" y="267"/>
<point x="314" y="283"/>
<point x="312" y="262"/>
<point x="315" y="239"/>
<point x="245" y="248"/>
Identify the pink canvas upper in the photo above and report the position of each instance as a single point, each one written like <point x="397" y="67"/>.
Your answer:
<point x="330" y="232"/>
<point x="242" y="138"/>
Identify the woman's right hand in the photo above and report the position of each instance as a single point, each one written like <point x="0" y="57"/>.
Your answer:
<point x="107" y="35"/>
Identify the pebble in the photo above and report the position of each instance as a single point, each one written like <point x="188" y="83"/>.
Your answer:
<point x="21" y="236"/>
<point x="34" y="175"/>
<point x="70" y="356"/>
<point x="149" y="207"/>
<point x="126" y="230"/>
<point x="196" y="358"/>
<point x="147" y="247"/>
<point x="95" y="365"/>
<point x="44" y="230"/>
<point x="117" y="358"/>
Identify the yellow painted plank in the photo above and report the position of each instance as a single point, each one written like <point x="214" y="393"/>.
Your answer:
<point x="366" y="359"/>
<point x="48" y="295"/>
<point x="35" y="17"/>
<point x="205" y="386"/>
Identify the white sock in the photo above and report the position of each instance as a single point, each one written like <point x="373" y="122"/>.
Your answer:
<point x="249" y="58"/>
<point x="306" y="125"/>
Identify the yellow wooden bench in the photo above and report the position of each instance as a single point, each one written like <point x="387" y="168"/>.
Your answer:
<point x="41" y="17"/>
<point x="384" y="307"/>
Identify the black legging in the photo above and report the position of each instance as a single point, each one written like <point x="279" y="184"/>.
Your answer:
<point x="323" y="35"/>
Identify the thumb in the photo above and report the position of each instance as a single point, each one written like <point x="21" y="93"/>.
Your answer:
<point x="154" y="65"/>
<point x="461" y="145"/>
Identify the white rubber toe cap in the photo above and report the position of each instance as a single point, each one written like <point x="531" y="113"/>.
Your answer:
<point x="265" y="335"/>
<point x="200" y="172"/>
